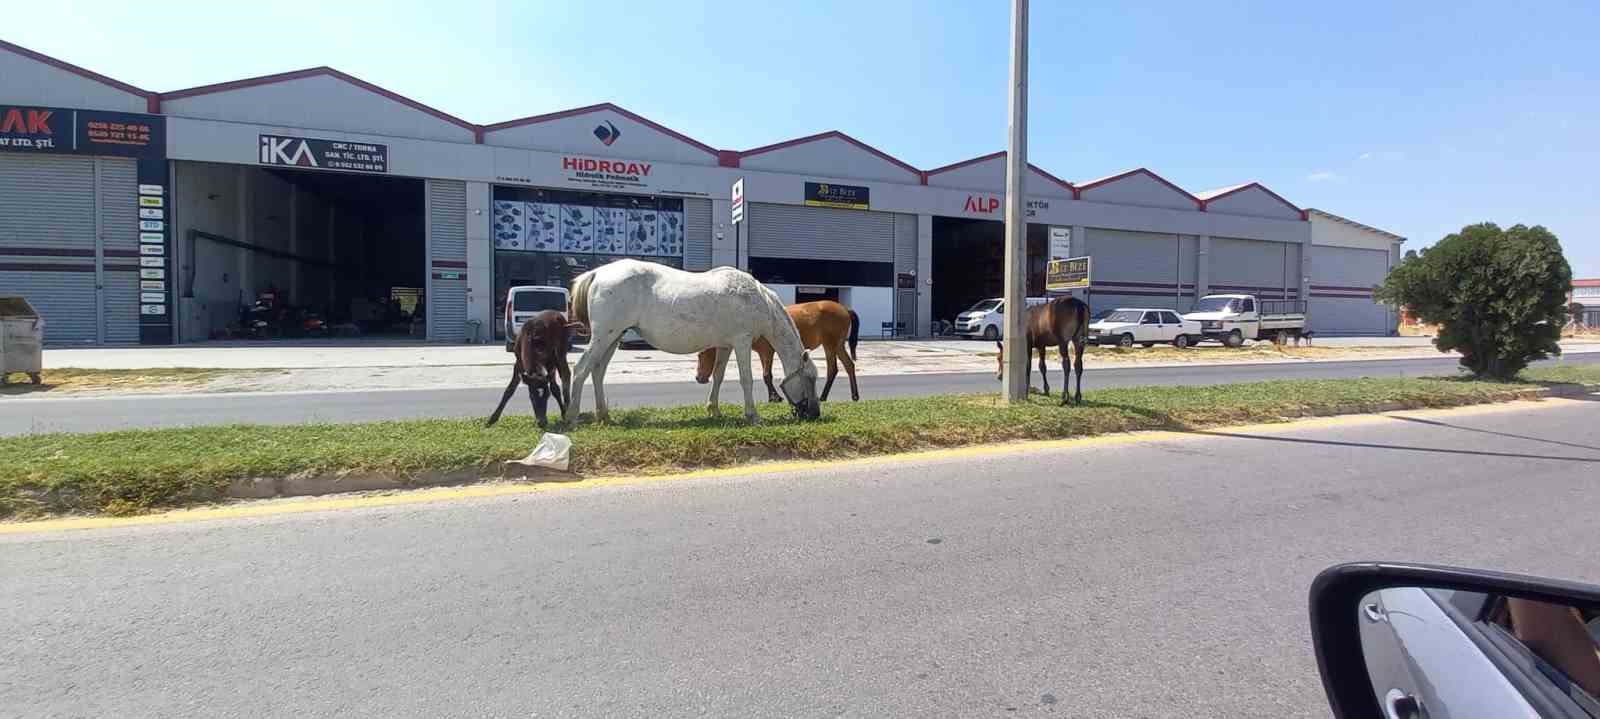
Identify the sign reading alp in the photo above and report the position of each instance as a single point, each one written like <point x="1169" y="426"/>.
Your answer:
<point x="317" y="154"/>
<point x="737" y="201"/>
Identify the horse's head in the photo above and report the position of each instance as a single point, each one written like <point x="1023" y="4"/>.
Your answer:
<point x="705" y="362"/>
<point x="1000" y="369"/>
<point x="800" y="387"/>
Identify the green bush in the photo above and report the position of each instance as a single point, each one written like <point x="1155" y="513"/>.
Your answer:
<point x="1498" y="296"/>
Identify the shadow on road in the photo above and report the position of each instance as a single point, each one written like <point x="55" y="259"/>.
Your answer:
<point x="1447" y="425"/>
<point x="1397" y="447"/>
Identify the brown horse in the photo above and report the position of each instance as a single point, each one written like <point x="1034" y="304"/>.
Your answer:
<point x="1055" y="323"/>
<point x="541" y="346"/>
<point x="824" y="323"/>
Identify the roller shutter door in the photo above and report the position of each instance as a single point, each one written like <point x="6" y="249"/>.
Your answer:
<point x="1341" y="291"/>
<point x="697" y="234"/>
<point x="905" y="261"/>
<point x="47" y="240"/>
<point x="1254" y="267"/>
<point x="1133" y="269"/>
<point x="447" y="256"/>
<point x="826" y="233"/>
<point x="119" y="278"/>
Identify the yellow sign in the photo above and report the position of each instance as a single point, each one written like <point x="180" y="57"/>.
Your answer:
<point x="1069" y="274"/>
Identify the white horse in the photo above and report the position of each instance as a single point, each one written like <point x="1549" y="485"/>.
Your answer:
<point x="683" y="313"/>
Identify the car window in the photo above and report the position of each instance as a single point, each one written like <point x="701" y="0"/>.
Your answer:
<point x="1173" y="318"/>
<point x="536" y="301"/>
<point x="1000" y="308"/>
<point x="1249" y="306"/>
<point x="1151" y="318"/>
<point x="1121" y="316"/>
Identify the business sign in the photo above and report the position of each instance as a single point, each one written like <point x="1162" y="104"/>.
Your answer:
<point x="146" y="273"/>
<point x="827" y="194"/>
<point x="153" y="286"/>
<point x="152" y="213"/>
<point x="29" y="128"/>
<point x="905" y="281"/>
<point x="606" y="174"/>
<point x="1066" y="274"/>
<point x="737" y="201"/>
<point x="1060" y="243"/>
<point x="314" y="154"/>
<point x="152" y="262"/>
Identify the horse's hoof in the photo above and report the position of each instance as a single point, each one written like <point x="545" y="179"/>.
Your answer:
<point x="753" y="419"/>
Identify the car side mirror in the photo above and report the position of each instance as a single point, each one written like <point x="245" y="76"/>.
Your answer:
<point x="1414" y="640"/>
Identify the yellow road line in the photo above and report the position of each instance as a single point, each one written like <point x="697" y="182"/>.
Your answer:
<point x="267" y="508"/>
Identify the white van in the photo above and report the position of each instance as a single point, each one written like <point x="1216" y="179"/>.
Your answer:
<point x="524" y="300"/>
<point x="987" y="319"/>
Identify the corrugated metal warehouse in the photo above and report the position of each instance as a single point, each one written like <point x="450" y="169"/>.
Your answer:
<point x="134" y="216"/>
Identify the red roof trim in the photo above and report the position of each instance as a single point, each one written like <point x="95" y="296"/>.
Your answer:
<point x="985" y="158"/>
<point x="833" y="134"/>
<point x="315" y="72"/>
<point x="1586" y="283"/>
<point x="1261" y="187"/>
<point x="1199" y="204"/>
<point x="74" y="69"/>
<point x="964" y="163"/>
<point x="535" y="119"/>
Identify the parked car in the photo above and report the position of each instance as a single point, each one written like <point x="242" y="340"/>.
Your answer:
<point x="1410" y="640"/>
<point x="524" y="300"/>
<point x="1232" y="319"/>
<point x="1125" y="327"/>
<point x="987" y="318"/>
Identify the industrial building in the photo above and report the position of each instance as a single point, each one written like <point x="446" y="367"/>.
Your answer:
<point x="128" y="215"/>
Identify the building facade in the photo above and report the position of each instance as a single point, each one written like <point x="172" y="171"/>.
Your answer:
<point x="134" y="216"/>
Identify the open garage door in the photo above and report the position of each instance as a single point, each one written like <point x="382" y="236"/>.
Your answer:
<point x="308" y="253"/>
<point x="969" y="263"/>
<point x="1341" y="291"/>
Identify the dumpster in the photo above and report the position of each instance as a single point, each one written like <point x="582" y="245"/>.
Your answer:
<point x="21" y="338"/>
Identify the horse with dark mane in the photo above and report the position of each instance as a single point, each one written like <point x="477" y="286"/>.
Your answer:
<point x="1054" y="324"/>
<point x="541" y="346"/>
<point x="823" y="323"/>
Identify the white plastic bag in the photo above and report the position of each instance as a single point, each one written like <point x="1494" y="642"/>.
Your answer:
<point x="553" y="452"/>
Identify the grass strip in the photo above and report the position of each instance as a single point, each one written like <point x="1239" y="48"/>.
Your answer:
<point x="134" y="471"/>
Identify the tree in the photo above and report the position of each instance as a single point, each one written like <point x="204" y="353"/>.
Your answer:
<point x="1576" y="310"/>
<point x="1499" y="297"/>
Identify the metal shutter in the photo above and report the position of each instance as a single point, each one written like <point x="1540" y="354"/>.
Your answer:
<point x="1133" y="269"/>
<point x="697" y="234"/>
<point x="47" y="240"/>
<point x="1253" y="267"/>
<point x="119" y="226"/>
<point x="447" y="252"/>
<point x="1341" y="291"/>
<point x="805" y="233"/>
<point x="905" y="260"/>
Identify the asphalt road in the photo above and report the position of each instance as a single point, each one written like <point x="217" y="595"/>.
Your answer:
<point x="23" y="415"/>
<point x="1164" y="578"/>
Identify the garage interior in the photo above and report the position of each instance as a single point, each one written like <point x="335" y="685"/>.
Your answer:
<point x="969" y="263"/>
<point x="283" y="254"/>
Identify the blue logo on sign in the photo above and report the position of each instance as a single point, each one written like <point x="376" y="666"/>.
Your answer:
<point x="607" y="133"/>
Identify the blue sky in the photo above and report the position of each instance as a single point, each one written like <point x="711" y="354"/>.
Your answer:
<point x="1415" y="117"/>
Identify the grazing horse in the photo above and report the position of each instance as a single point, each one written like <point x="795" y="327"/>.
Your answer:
<point x="1055" y="323"/>
<point x="682" y="313"/>
<point x="541" y="347"/>
<point x="824" y="323"/>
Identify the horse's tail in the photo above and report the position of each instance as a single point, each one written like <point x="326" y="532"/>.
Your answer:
<point x="1081" y="309"/>
<point x="855" y="332"/>
<point x="580" y="297"/>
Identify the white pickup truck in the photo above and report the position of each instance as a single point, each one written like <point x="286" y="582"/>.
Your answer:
<point x="1232" y="319"/>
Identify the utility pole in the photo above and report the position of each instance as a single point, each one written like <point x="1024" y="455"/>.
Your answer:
<point x="1016" y="283"/>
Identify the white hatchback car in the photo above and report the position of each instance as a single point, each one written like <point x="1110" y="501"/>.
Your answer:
<point x="1125" y="327"/>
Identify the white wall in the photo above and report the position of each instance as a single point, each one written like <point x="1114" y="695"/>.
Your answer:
<point x="1139" y="189"/>
<point x="1253" y="201"/>
<point x="320" y="101"/>
<point x="875" y="305"/>
<point x="575" y="133"/>
<point x="991" y="175"/>
<point x="833" y="157"/>
<point x="1328" y="231"/>
<point x="25" y="80"/>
